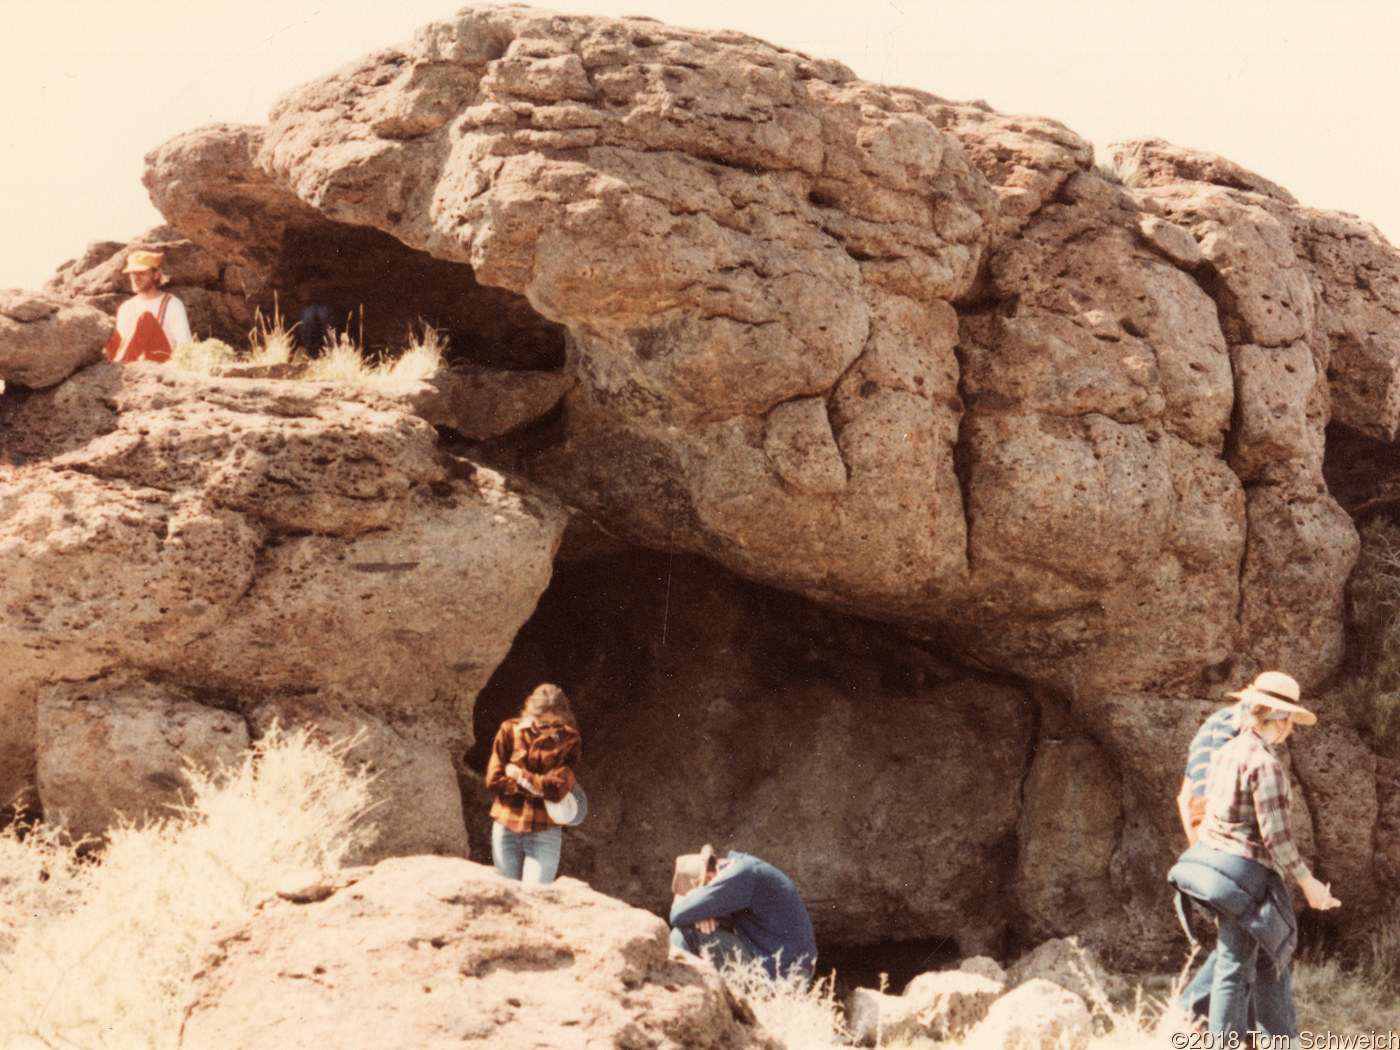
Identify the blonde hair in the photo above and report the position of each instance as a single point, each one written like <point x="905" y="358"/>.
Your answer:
<point x="549" y="699"/>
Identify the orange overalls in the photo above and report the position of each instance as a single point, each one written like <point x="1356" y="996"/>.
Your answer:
<point x="147" y="342"/>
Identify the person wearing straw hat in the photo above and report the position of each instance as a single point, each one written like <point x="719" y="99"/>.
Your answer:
<point x="152" y="323"/>
<point x="770" y="923"/>
<point x="1215" y="732"/>
<point x="1236" y="869"/>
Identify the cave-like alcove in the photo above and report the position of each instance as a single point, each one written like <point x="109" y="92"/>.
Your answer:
<point x="1362" y="473"/>
<point x="389" y="291"/>
<point x="716" y="709"/>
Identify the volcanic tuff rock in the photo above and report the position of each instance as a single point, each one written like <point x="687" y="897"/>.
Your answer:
<point x="246" y="539"/>
<point x="431" y="952"/>
<point x="913" y="360"/>
<point x="141" y="736"/>
<point x="44" y="338"/>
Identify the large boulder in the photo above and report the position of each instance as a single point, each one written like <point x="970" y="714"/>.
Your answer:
<point x="908" y="357"/>
<point x="239" y="539"/>
<point x="428" y="952"/>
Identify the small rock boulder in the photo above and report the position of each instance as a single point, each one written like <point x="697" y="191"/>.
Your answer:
<point x="936" y="1005"/>
<point x="44" y="339"/>
<point x="1038" y="1015"/>
<point x="1063" y="961"/>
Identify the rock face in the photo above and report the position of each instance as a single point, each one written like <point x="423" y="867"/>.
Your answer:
<point x="1022" y="469"/>
<point x="429" y="952"/>
<point x="983" y="393"/>
<point x="137" y="737"/>
<point x="241" y="541"/>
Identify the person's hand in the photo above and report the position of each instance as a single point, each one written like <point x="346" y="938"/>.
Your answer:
<point x="707" y="926"/>
<point x="518" y="775"/>
<point x="1319" y="894"/>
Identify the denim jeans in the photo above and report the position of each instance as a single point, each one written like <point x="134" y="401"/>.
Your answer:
<point x="1240" y="977"/>
<point x="720" y="947"/>
<point x="526" y="856"/>
<point x="1272" y="997"/>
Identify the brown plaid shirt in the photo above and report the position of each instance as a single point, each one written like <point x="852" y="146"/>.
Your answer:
<point x="1247" y="806"/>
<point x="547" y="757"/>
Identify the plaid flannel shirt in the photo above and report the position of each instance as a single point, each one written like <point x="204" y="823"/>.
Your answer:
<point x="547" y="759"/>
<point x="1247" y="806"/>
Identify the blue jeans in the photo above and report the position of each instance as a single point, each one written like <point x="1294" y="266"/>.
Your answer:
<point x="526" y="856"/>
<point x="1241" y="977"/>
<point x="1272" y="1014"/>
<point x="721" y="946"/>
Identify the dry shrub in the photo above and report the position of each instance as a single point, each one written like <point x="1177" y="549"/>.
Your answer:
<point x="794" y="1012"/>
<point x="1123" y="167"/>
<point x="344" y="362"/>
<point x="98" y="953"/>
<point x="209" y="356"/>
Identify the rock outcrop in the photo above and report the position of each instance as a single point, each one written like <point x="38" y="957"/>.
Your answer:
<point x="431" y="952"/>
<point x="1016" y="469"/>
<point x="255" y="543"/>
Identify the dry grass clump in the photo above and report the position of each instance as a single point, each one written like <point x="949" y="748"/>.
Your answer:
<point x="270" y="342"/>
<point x="1123" y="167"/>
<point x="97" y="953"/>
<point x="343" y="360"/>
<point x="1353" y="996"/>
<point x="792" y="1011"/>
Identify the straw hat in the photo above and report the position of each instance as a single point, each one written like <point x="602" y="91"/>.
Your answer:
<point x="143" y="261"/>
<point x="1278" y="692"/>
<point x="690" y="870"/>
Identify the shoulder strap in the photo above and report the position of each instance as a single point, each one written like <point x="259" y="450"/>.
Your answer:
<point x="164" y="302"/>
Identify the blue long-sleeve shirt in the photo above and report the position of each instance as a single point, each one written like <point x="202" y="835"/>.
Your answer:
<point x="765" y="908"/>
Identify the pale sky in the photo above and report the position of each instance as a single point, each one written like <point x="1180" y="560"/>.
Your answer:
<point x="1304" y="93"/>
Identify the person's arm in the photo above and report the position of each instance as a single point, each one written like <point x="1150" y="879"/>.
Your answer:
<point x="1183" y="809"/>
<point x="177" y="324"/>
<point x="497" y="777"/>
<point x="558" y="780"/>
<point x="730" y="891"/>
<point x="1272" y="808"/>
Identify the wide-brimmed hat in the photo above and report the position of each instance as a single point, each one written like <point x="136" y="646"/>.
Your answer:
<point x="143" y="261"/>
<point x="690" y="870"/>
<point x="1276" y="691"/>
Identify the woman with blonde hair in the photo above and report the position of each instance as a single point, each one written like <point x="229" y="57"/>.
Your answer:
<point x="533" y="761"/>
